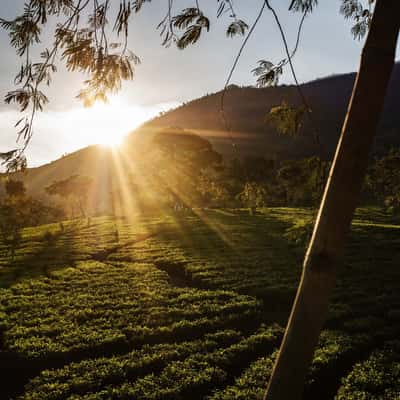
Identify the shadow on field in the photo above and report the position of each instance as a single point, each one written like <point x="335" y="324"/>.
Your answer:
<point x="234" y="250"/>
<point x="245" y="253"/>
<point x="40" y="257"/>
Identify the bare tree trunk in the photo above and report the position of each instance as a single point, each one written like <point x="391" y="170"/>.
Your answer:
<point x="81" y="208"/>
<point x="326" y="248"/>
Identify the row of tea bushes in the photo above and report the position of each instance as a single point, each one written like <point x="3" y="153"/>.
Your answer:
<point x="336" y="350"/>
<point x="377" y="378"/>
<point x="97" y="308"/>
<point x="159" y="371"/>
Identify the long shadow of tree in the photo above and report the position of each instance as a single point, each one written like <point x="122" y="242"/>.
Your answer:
<point x="237" y="251"/>
<point x="41" y="255"/>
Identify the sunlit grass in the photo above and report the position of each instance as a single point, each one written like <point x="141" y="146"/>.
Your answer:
<point x="101" y="314"/>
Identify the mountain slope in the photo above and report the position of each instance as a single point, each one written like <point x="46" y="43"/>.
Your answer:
<point x="92" y="161"/>
<point x="245" y="132"/>
<point x="246" y="109"/>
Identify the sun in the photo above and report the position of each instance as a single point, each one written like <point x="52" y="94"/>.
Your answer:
<point x="110" y="122"/>
<point x="106" y="124"/>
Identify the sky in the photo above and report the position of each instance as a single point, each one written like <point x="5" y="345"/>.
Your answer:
<point x="168" y="76"/>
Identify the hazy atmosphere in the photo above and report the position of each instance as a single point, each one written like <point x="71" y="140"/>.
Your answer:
<point x="167" y="76"/>
<point x="200" y="200"/>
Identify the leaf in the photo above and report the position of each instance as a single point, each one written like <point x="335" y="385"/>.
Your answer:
<point x="286" y="119"/>
<point x="191" y="36"/>
<point x="187" y="16"/>
<point x="303" y="5"/>
<point x="237" y="27"/>
<point x="268" y="74"/>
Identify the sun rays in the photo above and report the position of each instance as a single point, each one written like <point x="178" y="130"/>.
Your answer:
<point x="133" y="183"/>
<point x="139" y="190"/>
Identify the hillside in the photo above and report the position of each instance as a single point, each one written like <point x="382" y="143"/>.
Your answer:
<point x="245" y="111"/>
<point x="247" y="107"/>
<point x="91" y="161"/>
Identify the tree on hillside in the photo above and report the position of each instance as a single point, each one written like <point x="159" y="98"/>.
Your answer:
<point x="301" y="180"/>
<point x="187" y="149"/>
<point x="15" y="188"/>
<point x="182" y="156"/>
<point x="286" y="119"/>
<point x="169" y="173"/>
<point x="215" y="187"/>
<point x="384" y="180"/>
<point x="89" y="48"/>
<point x="14" y="214"/>
<point x="74" y="190"/>
<point x="18" y="211"/>
<point x="253" y="196"/>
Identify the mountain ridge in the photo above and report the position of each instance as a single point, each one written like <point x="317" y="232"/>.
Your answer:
<point x="249" y="134"/>
<point x="247" y="107"/>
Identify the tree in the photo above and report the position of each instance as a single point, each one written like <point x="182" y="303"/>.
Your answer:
<point x="383" y="180"/>
<point x="215" y="188"/>
<point x="180" y="161"/>
<point x="326" y="248"/>
<point x="85" y="49"/>
<point x="253" y="195"/>
<point x="301" y="181"/>
<point x="15" y="188"/>
<point x="18" y="211"/>
<point x="286" y="119"/>
<point x="74" y="189"/>
<point x="187" y="149"/>
<point x="14" y="214"/>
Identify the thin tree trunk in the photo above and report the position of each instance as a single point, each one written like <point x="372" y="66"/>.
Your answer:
<point x="326" y="248"/>
<point x="82" y="210"/>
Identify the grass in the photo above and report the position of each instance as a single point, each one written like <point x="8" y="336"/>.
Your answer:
<point x="189" y="306"/>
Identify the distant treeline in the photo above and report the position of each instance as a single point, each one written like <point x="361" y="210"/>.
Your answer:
<point x="184" y="171"/>
<point x="181" y="171"/>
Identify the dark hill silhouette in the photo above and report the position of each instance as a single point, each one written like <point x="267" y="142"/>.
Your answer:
<point x="245" y="111"/>
<point x="247" y="107"/>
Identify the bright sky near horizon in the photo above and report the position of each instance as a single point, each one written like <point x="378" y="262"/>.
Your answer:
<point x="168" y="77"/>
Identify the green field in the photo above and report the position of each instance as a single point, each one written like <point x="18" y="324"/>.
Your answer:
<point x="191" y="306"/>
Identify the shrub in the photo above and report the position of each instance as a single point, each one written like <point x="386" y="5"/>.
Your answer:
<point x="377" y="378"/>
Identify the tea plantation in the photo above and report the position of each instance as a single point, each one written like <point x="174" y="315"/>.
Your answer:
<point x="191" y="306"/>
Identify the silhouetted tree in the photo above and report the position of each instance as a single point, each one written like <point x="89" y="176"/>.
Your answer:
<point x="286" y="119"/>
<point x="15" y="188"/>
<point x="384" y="180"/>
<point x="74" y="190"/>
<point x="253" y="196"/>
<point x="182" y="156"/>
<point x="301" y="181"/>
<point x="18" y="211"/>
